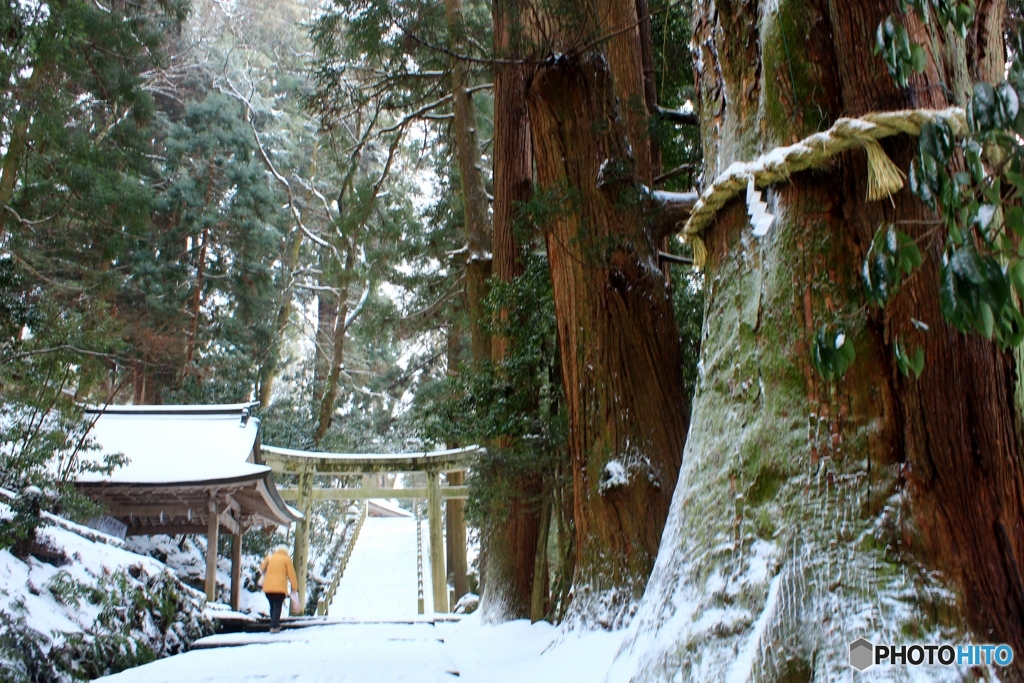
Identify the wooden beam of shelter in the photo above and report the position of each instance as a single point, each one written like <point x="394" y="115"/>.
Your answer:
<point x="169" y="511"/>
<point x="236" y="571"/>
<point x="229" y="523"/>
<point x="211" y="553"/>
<point x="169" y="529"/>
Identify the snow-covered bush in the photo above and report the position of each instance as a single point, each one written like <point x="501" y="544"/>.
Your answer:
<point x="89" y="608"/>
<point x="139" y="616"/>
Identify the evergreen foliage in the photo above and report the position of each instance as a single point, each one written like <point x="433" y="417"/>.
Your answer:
<point x="141" y="617"/>
<point x="516" y="405"/>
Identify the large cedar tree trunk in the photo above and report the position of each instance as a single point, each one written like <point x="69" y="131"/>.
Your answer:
<point x="512" y="537"/>
<point x="618" y="340"/>
<point x="809" y="514"/>
<point x="474" y="192"/>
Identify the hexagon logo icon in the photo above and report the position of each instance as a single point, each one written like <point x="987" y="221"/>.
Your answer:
<point x="862" y="654"/>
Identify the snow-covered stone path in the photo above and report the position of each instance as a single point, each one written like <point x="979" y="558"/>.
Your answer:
<point x="416" y="651"/>
<point x="380" y="580"/>
<point x="374" y="636"/>
<point x="341" y="653"/>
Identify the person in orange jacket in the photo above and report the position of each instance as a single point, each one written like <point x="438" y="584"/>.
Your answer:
<point x="277" y="570"/>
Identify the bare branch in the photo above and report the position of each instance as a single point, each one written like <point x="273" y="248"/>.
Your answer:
<point x="417" y="114"/>
<point x="670" y="209"/>
<point x="358" y="308"/>
<point x="448" y="294"/>
<point x="687" y="118"/>
<point x="678" y="170"/>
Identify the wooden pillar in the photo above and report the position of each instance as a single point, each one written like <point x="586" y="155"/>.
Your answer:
<point x="438" y="575"/>
<point x="456" y="524"/>
<point x="211" y="552"/>
<point x="236" y="570"/>
<point x="300" y="555"/>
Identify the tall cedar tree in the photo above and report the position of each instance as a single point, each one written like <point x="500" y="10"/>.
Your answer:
<point x="874" y="504"/>
<point x="618" y="339"/>
<point x="511" y="543"/>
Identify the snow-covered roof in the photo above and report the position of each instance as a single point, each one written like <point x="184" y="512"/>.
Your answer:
<point x="168" y="445"/>
<point x="180" y="459"/>
<point x="380" y="507"/>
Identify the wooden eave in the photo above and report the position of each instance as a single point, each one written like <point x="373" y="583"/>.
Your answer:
<point x="184" y="507"/>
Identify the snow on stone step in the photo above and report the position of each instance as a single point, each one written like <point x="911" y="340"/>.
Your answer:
<point x="340" y="653"/>
<point x="380" y="580"/>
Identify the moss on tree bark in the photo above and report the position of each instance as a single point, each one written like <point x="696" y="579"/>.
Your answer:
<point x="811" y="513"/>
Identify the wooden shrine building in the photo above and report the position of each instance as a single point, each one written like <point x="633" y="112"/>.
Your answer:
<point x="190" y="470"/>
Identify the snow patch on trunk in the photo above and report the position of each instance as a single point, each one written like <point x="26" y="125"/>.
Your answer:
<point x="613" y="476"/>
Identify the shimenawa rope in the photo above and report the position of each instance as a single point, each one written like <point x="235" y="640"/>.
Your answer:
<point x="884" y="177"/>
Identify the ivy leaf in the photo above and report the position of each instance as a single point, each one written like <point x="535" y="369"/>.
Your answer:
<point x="982" y="216"/>
<point x="988" y="321"/>
<point x="981" y="111"/>
<point x="1016" y="273"/>
<point x="919" y="185"/>
<point x="937" y="140"/>
<point x="901" y="56"/>
<point x="909" y="253"/>
<point x="1012" y="327"/>
<point x="967" y="265"/>
<point x="831" y="353"/>
<point x="1007" y="103"/>
<point x="918" y="59"/>
<point x="909" y="362"/>
<point x="972" y="155"/>
<point x="964" y="17"/>
<point x="1014" y="219"/>
<point x="892" y="256"/>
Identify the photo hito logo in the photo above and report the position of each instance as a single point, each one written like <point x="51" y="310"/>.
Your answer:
<point x="864" y="654"/>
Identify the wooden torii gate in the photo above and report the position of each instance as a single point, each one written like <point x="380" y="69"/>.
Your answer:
<point x="307" y="464"/>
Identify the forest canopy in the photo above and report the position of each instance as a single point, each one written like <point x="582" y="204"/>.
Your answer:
<point x="412" y="225"/>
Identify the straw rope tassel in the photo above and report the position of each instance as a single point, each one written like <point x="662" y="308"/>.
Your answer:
<point x="884" y="177"/>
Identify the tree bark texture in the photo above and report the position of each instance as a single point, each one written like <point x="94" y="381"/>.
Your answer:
<point x="512" y="540"/>
<point x="271" y="364"/>
<point x="540" y="597"/>
<point x="197" y="301"/>
<point x="474" y="193"/>
<point x="340" y="309"/>
<point x="326" y="319"/>
<point x="809" y="514"/>
<point x="618" y="340"/>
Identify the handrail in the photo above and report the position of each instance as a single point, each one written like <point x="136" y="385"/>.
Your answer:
<point x="419" y="562"/>
<point x="328" y="596"/>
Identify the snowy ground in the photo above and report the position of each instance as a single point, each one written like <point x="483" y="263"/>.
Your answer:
<point x="373" y="634"/>
<point x="416" y="651"/>
<point x="380" y="579"/>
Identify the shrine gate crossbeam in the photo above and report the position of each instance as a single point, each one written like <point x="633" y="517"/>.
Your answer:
<point x="307" y="464"/>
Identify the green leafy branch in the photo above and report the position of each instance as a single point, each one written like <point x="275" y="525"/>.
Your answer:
<point x="903" y="57"/>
